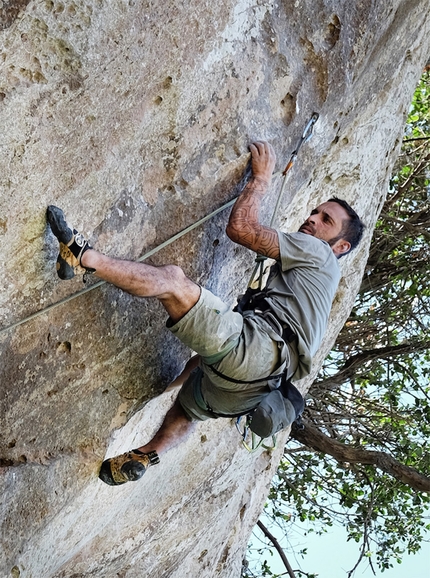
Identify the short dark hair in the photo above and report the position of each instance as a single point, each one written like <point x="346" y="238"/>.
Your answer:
<point x="353" y="228"/>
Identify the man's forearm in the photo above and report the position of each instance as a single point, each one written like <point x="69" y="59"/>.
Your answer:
<point x="246" y="211"/>
<point x="244" y="225"/>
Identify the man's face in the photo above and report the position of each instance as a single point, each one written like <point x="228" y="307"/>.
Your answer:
<point x="325" y="223"/>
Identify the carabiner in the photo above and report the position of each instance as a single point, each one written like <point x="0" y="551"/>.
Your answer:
<point x="254" y="445"/>
<point x="307" y="133"/>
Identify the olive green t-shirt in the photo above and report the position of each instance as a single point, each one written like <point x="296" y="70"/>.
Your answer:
<point x="300" y="291"/>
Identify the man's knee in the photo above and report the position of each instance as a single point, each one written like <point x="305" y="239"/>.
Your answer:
<point x="181" y="286"/>
<point x="181" y="293"/>
<point x="174" y="273"/>
<point x="181" y="414"/>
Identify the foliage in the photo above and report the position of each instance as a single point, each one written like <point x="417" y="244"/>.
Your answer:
<point x="373" y="392"/>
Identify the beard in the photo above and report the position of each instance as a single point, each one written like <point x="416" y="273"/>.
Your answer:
<point x="308" y="229"/>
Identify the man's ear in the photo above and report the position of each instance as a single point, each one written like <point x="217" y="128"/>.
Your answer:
<point x="341" y="247"/>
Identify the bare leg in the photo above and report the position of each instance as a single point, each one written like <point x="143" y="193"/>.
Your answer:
<point x="175" y="291"/>
<point x="176" y="427"/>
<point x="131" y="466"/>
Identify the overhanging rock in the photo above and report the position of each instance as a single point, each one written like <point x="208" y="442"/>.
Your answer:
<point x="135" y="118"/>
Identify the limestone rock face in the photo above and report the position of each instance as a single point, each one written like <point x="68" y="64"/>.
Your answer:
<point x="135" y="118"/>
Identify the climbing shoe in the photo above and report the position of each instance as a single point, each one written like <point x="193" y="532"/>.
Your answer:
<point x="128" y="467"/>
<point x="72" y="245"/>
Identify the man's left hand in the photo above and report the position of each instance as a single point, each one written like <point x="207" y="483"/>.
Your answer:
<point x="263" y="160"/>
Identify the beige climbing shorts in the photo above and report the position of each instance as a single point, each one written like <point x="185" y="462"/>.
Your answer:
<point x="240" y="347"/>
<point x="210" y="328"/>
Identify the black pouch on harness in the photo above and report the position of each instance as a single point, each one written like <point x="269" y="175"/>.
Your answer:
<point x="278" y="409"/>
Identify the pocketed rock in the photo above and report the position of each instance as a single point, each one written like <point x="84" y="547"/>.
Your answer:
<point x="135" y="119"/>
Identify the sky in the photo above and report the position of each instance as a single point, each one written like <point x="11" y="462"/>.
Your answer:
<point x="331" y="556"/>
<point x="342" y="556"/>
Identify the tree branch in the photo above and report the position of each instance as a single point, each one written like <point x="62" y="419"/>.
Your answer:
<point x="317" y="440"/>
<point x="278" y="548"/>
<point x="356" y="360"/>
<point x="416" y="138"/>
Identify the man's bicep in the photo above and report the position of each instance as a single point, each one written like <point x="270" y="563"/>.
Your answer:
<point x="267" y="243"/>
<point x="262" y="240"/>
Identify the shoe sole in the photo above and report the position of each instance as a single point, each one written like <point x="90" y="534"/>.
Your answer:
<point x="58" y="224"/>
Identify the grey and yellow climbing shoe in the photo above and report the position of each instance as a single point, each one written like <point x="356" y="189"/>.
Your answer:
<point x="128" y="467"/>
<point x="72" y="245"/>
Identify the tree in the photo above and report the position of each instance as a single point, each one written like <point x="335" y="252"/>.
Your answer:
<point x="363" y="457"/>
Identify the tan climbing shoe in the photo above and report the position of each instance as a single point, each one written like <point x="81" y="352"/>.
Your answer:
<point x="72" y="245"/>
<point x="128" y="467"/>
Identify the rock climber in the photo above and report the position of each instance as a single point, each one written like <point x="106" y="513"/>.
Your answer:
<point x="236" y="350"/>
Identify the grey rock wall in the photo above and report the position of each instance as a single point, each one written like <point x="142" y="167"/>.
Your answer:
<point x="135" y="117"/>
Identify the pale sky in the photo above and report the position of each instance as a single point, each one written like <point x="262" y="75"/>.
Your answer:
<point x="331" y="556"/>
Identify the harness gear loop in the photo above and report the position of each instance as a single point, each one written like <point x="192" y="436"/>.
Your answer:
<point x="254" y="444"/>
